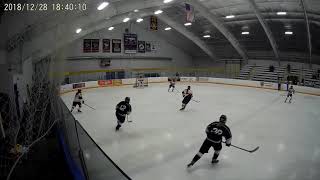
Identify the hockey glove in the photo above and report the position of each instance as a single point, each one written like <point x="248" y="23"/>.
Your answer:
<point x="228" y="144"/>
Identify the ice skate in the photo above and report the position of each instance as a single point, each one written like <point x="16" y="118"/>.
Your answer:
<point x="190" y="165"/>
<point x="118" y="127"/>
<point x="214" y="161"/>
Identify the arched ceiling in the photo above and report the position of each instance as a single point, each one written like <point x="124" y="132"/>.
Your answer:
<point x="266" y="28"/>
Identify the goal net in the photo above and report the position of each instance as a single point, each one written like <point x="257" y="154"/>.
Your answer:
<point x="141" y="82"/>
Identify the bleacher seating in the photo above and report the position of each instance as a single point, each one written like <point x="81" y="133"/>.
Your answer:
<point x="245" y="72"/>
<point x="262" y="73"/>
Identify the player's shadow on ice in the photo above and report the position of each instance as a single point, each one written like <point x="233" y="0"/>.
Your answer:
<point x="208" y="166"/>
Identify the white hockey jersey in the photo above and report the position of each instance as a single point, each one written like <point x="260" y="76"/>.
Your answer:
<point x="186" y="92"/>
<point x="77" y="97"/>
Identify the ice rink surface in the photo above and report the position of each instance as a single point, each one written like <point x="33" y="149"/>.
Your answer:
<point x="162" y="140"/>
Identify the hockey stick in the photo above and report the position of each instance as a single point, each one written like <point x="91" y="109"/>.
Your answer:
<point x="250" y="151"/>
<point x="128" y="119"/>
<point x="89" y="106"/>
<point x="195" y="100"/>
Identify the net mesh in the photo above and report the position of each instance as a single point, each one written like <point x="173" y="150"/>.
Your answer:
<point x="26" y="120"/>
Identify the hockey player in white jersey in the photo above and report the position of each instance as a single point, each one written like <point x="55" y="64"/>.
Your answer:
<point x="291" y="91"/>
<point x="187" y="95"/>
<point x="78" y="100"/>
<point x="172" y="85"/>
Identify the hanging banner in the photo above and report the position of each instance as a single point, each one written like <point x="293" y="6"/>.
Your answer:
<point x="106" y="45"/>
<point x="87" y="45"/>
<point x="148" y="47"/>
<point x="153" y="46"/>
<point x="141" y="46"/>
<point x="116" y="45"/>
<point x="95" y="45"/>
<point x="153" y="23"/>
<point x="130" y="43"/>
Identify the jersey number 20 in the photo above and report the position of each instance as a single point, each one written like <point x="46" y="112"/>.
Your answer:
<point x="217" y="131"/>
<point x="122" y="107"/>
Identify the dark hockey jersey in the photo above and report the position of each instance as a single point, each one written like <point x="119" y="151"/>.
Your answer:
<point x="291" y="91"/>
<point x="123" y="108"/>
<point x="216" y="130"/>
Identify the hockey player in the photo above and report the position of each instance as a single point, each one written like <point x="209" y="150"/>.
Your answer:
<point x="290" y="92"/>
<point x="78" y="100"/>
<point x="215" y="131"/>
<point x="187" y="95"/>
<point x="123" y="108"/>
<point x="172" y="85"/>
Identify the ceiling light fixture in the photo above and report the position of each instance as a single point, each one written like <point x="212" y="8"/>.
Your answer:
<point x="167" y="1"/>
<point x="188" y="24"/>
<point x="207" y="36"/>
<point x="136" y="10"/>
<point x="167" y="29"/>
<point x="288" y="33"/>
<point x="245" y="33"/>
<point x="281" y="13"/>
<point x="78" y="30"/>
<point x="139" y="20"/>
<point x="230" y="16"/>
<point x="126" y="19"/>
<point x="102" y="6"/>
<point x="158" y="12"/>
<point x="111" y="28"/>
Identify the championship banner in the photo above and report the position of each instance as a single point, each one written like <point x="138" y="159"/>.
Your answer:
<point x="95" y="45"/>
<point x="87" y="45"/>
<point x="106" y="45"/>
<point x="130" y="43"/>
<point x="153" y="23"/>
<point x="116" y="45"/>
<point x="141" y="46"/>
<point x="153" y="46"/>
<point x="148" y="47"/>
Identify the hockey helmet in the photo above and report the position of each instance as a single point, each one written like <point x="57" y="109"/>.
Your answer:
<point x="127" y="99"/>
<point x="223" y="118"/>
<point x="79" y="90"/>
<point x="189" y="87"/>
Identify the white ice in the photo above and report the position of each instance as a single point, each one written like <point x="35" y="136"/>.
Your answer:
<point x="162" y="140"/>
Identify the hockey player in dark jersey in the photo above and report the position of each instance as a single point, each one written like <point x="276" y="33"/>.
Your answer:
<point x="123" y="109"/>
<point x="290" y="92"/>
<point x="78" y="100"/>
<point x="187" y="96"/>
<point x="172" y="85"/>
<point x="215" y="131"/>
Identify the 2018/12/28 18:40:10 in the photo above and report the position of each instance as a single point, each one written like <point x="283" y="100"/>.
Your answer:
<point x="69" y="7"/>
